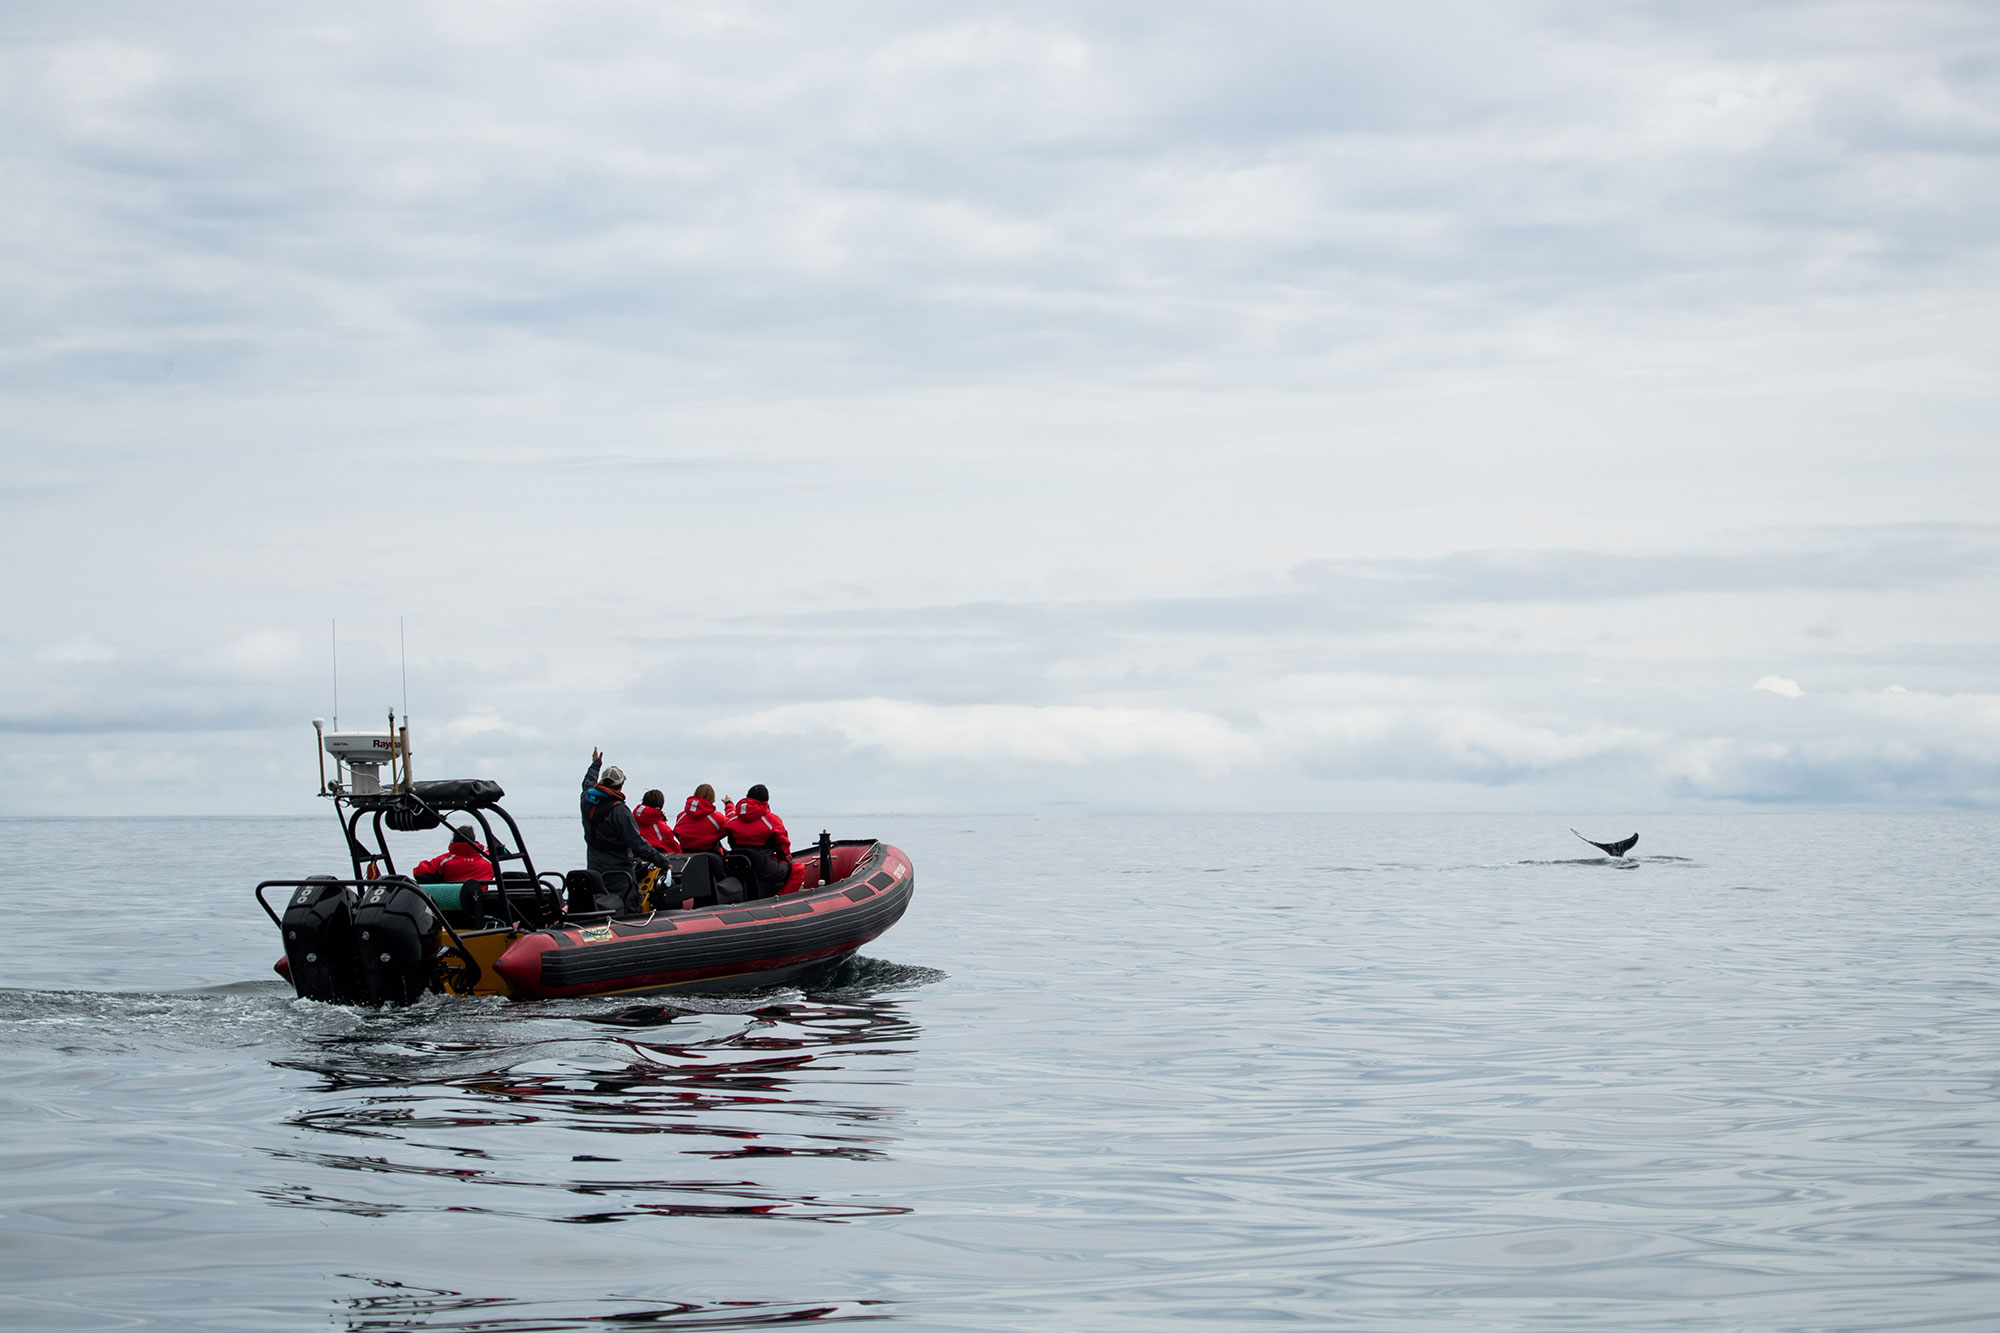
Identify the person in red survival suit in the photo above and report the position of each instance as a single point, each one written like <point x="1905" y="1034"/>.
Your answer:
<point x="652" y="821"/>
<point x="464" y="860"/>
<point x="760" y="835"/>
<point x="699" y="832"/>
<point x="700" y="828"/>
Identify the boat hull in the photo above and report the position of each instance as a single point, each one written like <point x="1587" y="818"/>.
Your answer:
<point x="794" y="938"/>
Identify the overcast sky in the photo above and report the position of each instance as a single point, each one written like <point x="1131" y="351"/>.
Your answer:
<point x="1473" y="405"/>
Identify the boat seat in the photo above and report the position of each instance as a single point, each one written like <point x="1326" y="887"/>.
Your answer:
<point x="739" y="879"/>
<point x="531" y="898"/>
<point x="694" y="878"/>
<point x="588" y="894"/>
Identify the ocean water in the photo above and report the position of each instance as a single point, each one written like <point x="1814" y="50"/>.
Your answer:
<point x="1372" y="1072"/>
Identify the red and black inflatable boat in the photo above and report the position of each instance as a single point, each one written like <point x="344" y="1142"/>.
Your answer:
<point x="382" y="938"/>
<point x="773" y="942"/>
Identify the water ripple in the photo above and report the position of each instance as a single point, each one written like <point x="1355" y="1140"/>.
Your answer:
<point x="1376" y="1073"/>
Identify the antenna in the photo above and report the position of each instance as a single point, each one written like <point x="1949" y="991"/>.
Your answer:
<point x="403" y="644"/>
<point x="334" y="625"/>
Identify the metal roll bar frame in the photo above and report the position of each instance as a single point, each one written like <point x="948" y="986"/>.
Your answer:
<point x="351" y="809"/>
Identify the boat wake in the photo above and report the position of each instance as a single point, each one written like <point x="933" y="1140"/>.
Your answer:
<point x="859" y="978"/>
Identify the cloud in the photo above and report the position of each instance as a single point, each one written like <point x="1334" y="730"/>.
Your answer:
<point x="1473" y="675"/>
<point x="933" y="406"/>
<point x="1843" y="772"/>
<point x="1882" y="559"/>
<point x="92" y="73"/>
<point x="1406" y="741"/>
<point x="1070" y="189"/>
<point x="84" y="649"/>
<point x="1392" y="738"/>
<point x="1446" y="744"/>
<point x="260" y="654"/>
<point x="480" y="725"/>
<point x="1972" y="716"/>
<point x="1067" y="735"/>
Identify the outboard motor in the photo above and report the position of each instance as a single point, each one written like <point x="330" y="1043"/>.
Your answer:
<point x="395" y="942"/>
<point x="319" y="942"/>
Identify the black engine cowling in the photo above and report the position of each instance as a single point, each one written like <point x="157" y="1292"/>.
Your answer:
<point x="395" y="934"/>
<point x="319" y="947"/>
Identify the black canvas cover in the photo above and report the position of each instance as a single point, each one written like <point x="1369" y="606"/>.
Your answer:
<point x="458" y="793"/>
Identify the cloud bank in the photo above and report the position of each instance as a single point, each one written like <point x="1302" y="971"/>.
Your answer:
<point x="1505" y="405"/>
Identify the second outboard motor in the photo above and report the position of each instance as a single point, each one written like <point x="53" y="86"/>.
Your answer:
<point x="395" y="942"/>
<point x="319" y="942"/>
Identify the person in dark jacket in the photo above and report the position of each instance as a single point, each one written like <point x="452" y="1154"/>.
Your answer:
<point x="611" y="841"/>
<point x="465" y="860"/>
<point x="651" y="817"/>
<point x="760" y="835"/>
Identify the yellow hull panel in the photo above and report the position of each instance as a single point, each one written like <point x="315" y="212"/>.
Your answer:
<point x="486" y="946"/>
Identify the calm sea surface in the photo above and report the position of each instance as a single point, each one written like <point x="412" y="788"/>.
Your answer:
<point x="1378" y="1072"/>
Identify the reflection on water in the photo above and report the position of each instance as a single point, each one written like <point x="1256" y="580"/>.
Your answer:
<point x="1378" y="1073"/>
<point x="400" y="1306"/>
<point x="601" y="1111"/>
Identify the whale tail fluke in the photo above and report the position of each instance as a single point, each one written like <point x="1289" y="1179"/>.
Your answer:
<point x="1618" y="848"/>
